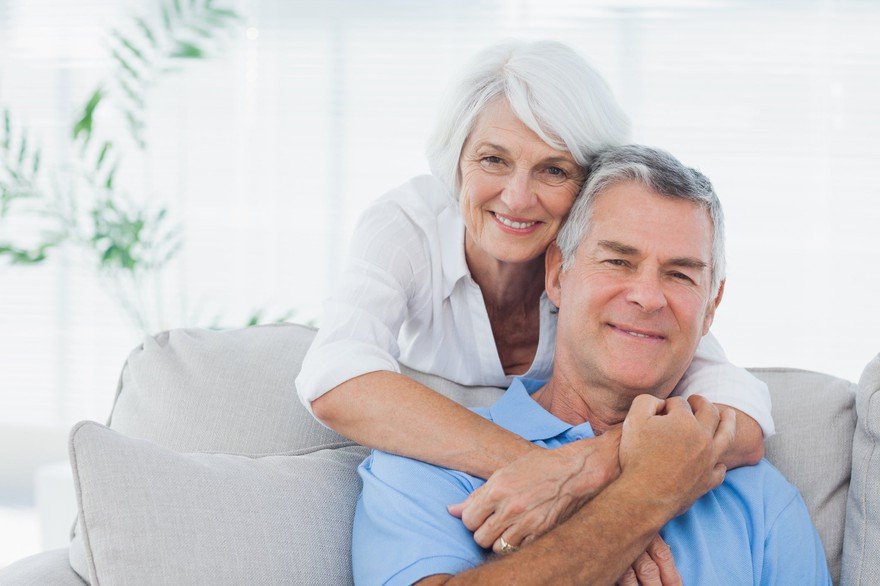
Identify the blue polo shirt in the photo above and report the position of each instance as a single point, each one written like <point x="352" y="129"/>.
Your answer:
<point x="753" y="529"/>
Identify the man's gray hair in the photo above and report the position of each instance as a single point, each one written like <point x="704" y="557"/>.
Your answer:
<point x="549" y="87"/>
<point x="661" y="173"/>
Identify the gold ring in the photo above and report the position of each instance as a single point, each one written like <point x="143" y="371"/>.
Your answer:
<point x="506" y="547"/>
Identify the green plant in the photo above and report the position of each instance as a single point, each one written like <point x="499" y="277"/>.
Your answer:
<point x="129" y="242"/>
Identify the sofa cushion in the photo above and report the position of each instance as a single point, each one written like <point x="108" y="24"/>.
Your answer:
<point x="196" y="390"/>
<point x="49" y="567"/>
<point x="153" y="515"/>
<point x="861" y="549"/>
<point x="812" y="447"/>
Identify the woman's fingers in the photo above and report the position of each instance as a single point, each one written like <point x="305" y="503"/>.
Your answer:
<point x="661" y="555"/>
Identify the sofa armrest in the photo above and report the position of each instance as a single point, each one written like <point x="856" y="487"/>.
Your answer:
<point x="49" y="567"/>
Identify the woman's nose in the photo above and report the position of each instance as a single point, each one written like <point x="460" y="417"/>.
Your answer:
<point x="518" y="194"/>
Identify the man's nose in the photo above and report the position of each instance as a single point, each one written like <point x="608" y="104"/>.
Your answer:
<point x="646" y="291"/>
<point x="518" y="194"/>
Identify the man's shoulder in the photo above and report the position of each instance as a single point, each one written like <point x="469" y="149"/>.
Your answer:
<point x="392" y="469"/>
<point x="761" y="488"/>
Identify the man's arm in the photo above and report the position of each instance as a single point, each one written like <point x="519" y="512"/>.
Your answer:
<point x="595" y="546"/>
<point x="402" y="532"/>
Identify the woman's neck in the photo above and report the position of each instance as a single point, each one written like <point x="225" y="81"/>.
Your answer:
<point x="505" y="285"/>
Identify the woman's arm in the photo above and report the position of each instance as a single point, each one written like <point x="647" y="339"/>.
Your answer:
<point x="393" y="413"/>
<point x="715" y="378"/>
<point x="747" y="448"/>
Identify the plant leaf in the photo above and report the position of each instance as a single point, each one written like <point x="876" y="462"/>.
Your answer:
<point x="126" y="65"/>
<point x="7" y="129"/>
<point x="133" y="49"/>
<point x="166" y="17"/>
<point x="103" y="154"/>
<point x="23" y="150"/>
<point x="187" y="50"/>
<point x="148" y="32"/>
<point x="84" y="124"/>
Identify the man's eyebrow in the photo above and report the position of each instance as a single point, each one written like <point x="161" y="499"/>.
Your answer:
<point x="619" y="247"/>
<point x="685" y="262"/>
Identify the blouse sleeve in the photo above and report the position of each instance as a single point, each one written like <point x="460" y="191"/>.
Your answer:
<point x="363" y="316"/>
<point x="712" y="376"/>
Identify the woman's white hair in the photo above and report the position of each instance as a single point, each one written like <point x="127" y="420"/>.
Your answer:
<point x="549" y="87"/>
<point x="661" y="173"/>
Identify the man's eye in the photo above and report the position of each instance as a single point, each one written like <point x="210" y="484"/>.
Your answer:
<point x="617" y="262"/>
<point x="682" y="277"/>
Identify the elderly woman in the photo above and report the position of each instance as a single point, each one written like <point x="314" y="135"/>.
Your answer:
<point x="446" y="276"/>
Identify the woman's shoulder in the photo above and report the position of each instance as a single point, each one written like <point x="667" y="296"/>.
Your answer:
<point x="422" y="198"/>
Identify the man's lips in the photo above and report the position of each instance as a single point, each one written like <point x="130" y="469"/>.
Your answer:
<point x="637" y="333"/>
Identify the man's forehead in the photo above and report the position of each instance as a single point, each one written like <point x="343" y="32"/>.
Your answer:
<point x="628" y="218"/>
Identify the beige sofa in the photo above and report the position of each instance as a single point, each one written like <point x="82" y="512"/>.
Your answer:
<point x="210" y="470"/>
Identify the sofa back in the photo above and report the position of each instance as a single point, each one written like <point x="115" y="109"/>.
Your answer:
<point x="198" y="390"/>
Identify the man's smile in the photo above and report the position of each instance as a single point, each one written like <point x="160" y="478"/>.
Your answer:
<point x="637" y="333"/>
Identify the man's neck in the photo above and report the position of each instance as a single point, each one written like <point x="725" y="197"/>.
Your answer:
<point x="573" y="400"/>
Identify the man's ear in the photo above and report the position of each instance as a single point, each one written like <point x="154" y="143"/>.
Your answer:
<point x="552" y="272"/>
<point x="713" y="305"/>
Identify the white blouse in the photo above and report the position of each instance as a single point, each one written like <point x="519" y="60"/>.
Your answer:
<point x="407" y="296"/>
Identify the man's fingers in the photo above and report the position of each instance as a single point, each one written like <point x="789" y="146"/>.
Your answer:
<point x="717" y="476"/>
<point x="726" y="432"/>
<point x="705" y="411"/>
<point x="674" y="404"/>
<point x="662" y="556"/>
<point x="643" y="407"/>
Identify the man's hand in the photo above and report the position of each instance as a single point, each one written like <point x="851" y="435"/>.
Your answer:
<point x="536" y="492"/>
<point x="674" y="447"/>
<point x="655" y="567"/>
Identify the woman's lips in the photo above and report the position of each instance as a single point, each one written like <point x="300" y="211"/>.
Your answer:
<point x="515" y="225"/>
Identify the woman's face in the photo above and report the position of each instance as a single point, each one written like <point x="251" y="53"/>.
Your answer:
<point x="515" y="188"/>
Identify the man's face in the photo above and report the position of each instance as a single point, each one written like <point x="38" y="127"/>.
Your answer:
<point x="636" y="300"/>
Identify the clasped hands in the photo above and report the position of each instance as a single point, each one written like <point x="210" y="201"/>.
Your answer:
<point x="673" y="445"/>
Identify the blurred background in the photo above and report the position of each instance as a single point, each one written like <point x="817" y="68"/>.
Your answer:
<point x="167" y="164"/>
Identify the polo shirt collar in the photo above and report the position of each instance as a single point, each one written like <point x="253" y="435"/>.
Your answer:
<point x="521" y="414"/>
<point x="451" y="230"/>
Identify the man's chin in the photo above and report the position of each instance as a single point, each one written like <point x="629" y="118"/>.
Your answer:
<point x="635" y="383"/>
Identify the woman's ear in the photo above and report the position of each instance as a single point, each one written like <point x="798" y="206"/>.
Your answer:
<point x="552" y="273"/>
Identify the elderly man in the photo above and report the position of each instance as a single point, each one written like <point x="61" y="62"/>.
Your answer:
<point x="637" y="276"/>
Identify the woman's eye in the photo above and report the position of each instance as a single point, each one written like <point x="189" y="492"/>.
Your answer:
<point x="556" y="171"/>
<point x="492" y="160"/>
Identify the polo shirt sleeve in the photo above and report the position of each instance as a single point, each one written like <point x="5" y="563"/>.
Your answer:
<point x="793" y="552"/>
<point x="402" y="530"/>
<point x="363" y="316"/>
<point x="715" y="378"/>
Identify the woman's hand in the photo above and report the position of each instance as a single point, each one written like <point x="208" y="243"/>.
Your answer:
<point x="536" y="492"/>
<point x="654" y="567"/>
